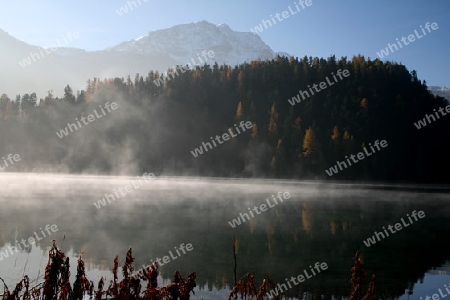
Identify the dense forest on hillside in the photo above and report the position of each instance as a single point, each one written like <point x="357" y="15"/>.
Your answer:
<point x="156" y="127"/>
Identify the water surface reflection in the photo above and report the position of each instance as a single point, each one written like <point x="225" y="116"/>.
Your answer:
<point x="318" y="223"/>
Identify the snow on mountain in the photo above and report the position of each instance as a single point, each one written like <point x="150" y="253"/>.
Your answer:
<point x="184" y="42"/>
<point x="440" y="91"/>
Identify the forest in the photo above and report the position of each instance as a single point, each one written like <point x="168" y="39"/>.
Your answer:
<point x="156" y="126"/>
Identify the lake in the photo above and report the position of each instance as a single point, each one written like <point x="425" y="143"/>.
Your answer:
<point x="187" y="221"/>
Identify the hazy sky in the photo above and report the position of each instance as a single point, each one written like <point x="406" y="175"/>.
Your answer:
<point x="343" y="28"/>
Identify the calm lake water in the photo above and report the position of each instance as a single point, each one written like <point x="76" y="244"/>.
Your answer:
<point x="320" y="222"/>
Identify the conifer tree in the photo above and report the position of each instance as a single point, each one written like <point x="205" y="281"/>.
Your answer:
<point x="254" y="133"/>
<point x="273" y="126"/>
<point x="310" y="145"/>
<point x="239" y="111"/>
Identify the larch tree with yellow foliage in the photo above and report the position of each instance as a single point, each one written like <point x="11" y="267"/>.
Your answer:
<point x="312" y="154"/>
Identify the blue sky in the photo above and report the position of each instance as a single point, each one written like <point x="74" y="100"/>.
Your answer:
<point x="342" y="28"/>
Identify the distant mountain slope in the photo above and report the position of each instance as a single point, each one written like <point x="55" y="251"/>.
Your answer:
<point x="441" y="91"/>
<point x="28" y="68"/>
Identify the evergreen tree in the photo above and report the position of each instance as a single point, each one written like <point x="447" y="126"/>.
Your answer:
<point x="69" y="97"/>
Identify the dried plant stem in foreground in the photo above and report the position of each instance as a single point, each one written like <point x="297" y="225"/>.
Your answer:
<point x="358" y="275"/>
<point x="56" y="285"/>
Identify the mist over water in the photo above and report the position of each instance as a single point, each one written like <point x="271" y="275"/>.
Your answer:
<point x="321" y="222"/>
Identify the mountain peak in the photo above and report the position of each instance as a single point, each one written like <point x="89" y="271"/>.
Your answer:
<point x="184" y="42"/>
